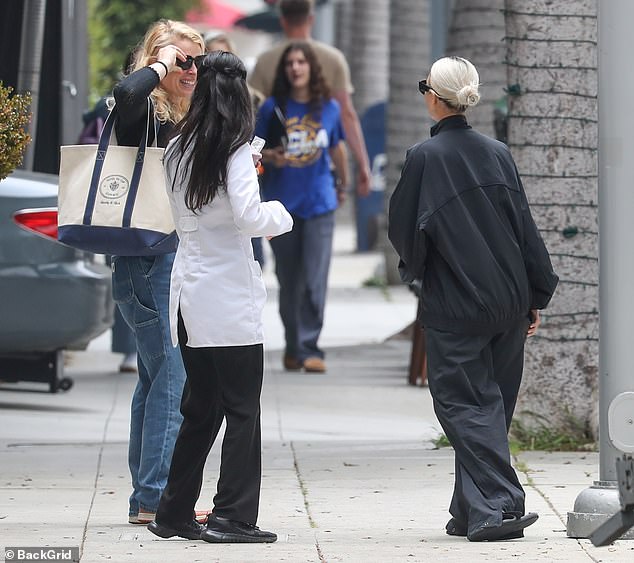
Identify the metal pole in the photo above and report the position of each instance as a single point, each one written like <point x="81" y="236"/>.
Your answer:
<point x="440" y="11"/>
<point x="32" y="42"/>
<point x="74" y="84"/>
<point x="616" y="269"/>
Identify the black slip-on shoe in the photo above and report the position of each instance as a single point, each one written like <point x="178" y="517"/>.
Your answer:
<point x="223" y="530"/>
<point x="456" y="528"/>
<point x="512" y="527"/>
<point x="188" y="530"/>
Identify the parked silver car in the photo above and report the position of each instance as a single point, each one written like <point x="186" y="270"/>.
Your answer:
<point x="52" y="297"/>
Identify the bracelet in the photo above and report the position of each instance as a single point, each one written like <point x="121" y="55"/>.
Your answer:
<point x="164" y="66"/>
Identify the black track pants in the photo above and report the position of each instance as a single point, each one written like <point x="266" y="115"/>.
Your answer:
<point x="222" y="383"/>
<point x="474" y="382"/>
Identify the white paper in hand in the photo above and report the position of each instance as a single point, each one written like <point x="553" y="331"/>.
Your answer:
<point x="257" y="145"/>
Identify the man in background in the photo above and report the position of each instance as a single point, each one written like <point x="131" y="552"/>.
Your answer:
<point x="297" y="18"/>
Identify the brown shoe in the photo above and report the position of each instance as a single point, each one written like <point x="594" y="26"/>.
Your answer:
<point x="315" y="365"/>
<point x="291" y="363"/>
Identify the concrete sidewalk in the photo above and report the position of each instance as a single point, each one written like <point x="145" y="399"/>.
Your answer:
<point x="350" y="472"/>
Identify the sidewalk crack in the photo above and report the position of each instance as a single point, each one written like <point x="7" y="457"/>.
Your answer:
<point x="304" y="490"/>
<point x="521" y="466"/>
<point x="98" y="469"/>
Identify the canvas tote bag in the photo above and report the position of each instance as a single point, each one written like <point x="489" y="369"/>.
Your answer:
<point x="112" y="199"/>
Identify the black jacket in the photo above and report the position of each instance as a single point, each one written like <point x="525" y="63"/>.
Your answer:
<point x="131" y="96"/>
<point x="460" y="222"/>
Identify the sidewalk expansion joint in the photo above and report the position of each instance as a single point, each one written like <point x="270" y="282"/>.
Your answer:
<point x="521" y="466"/>
<point x="98" y="468"/>
<point x="304" y="489"/>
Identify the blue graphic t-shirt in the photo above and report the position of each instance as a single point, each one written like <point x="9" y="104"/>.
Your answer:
<point x="305" y="185"/>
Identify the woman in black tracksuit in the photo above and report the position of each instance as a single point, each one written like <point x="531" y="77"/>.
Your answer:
<point x="460" y="222"/>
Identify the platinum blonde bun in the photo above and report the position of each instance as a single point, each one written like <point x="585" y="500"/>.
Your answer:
<point x="468" y="95"/>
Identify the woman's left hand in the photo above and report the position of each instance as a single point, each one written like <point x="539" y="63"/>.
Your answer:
<point x="342" y="195"/>
<point x="169" y="54"/>
<point x="532" y="328"/>
<point x="341" y="185"/>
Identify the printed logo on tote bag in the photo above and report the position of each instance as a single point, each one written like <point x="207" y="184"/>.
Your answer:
<point x="114" y="186"/>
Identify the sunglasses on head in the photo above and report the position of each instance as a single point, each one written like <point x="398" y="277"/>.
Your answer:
<point x="189" y="61"/>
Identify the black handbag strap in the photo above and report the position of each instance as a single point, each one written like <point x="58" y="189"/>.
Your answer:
<point x="276" y="134"/>
<point x="102" y="149"/>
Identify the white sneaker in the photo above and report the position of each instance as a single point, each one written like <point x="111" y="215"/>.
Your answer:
<point x="129" y="364"/>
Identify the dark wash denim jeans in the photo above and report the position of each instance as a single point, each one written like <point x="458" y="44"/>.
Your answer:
<point x="141" y="286"/>
<point x="302" y="263"/>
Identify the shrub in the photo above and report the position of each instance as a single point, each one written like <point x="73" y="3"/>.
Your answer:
<point x="14" y="116"/>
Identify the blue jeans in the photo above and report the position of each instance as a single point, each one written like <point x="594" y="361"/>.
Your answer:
<point x="302" y="262"/>
<point x="123" y="341"/>
<point x="140" y="286"/>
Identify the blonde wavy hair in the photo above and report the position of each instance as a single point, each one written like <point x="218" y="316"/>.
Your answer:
<point x="160" y="34"/>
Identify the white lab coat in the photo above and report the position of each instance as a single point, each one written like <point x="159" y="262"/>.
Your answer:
<point x="216" y="281"/>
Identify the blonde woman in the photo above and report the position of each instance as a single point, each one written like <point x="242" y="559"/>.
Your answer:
<point x="164" y="73"/>
<point x="460" y="222"/>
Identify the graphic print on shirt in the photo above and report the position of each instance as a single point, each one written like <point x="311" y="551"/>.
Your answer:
<point x="306" y="141"/>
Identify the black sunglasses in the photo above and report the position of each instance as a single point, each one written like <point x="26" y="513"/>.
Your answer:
<point x="423" y="87"/>
<point x="189" y="61"/>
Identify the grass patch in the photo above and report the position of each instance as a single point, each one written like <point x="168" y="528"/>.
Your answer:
<point x="441" y="442"/>
<point x="572" y="436"/>
<point x="375" y="281"/>
<point x="380" y="283"/>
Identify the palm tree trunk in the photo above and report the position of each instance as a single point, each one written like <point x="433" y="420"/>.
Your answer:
<point x="369" y="52"/>
<point x="407" y="122"/>
<point x="553" y="136"/>
<point x="476" y="33"/>
<point x="362" y="33"/>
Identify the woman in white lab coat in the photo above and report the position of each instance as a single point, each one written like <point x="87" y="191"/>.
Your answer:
<point x="216" y="301"/>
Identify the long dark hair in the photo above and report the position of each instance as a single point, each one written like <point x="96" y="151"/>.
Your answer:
<point x="219" y="121"/>
<point x="319" y="90"/>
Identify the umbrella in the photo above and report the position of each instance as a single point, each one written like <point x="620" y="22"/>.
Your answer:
<point x="214" y="13"/>
<point x="267" y="20"/>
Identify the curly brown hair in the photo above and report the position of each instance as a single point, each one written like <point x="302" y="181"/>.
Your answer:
<point x="319" y="89"/>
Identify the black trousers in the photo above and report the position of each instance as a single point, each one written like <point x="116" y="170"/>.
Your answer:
<point x="222" y="383"/>
<point x="474" y="382"/>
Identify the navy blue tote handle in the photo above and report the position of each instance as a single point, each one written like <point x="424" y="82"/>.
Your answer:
<point x="102" y="149"/>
